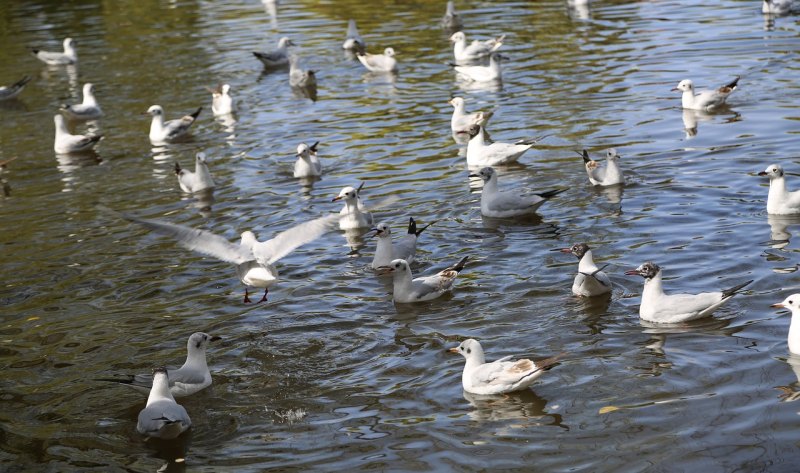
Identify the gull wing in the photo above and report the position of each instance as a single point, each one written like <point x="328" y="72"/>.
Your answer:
<point x="285" y="242"/>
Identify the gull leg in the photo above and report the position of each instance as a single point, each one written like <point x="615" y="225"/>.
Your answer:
<point x="246" y="298"/>
<point x="264" y="298"/>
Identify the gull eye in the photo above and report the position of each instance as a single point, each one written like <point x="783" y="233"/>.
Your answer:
<point x="461" y="348"/>
<point x="397" y="265"/>
<point x="790" y="302"/>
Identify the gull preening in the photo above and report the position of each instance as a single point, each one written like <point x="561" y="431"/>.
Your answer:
<point x="190" y="378"/>
<point x="307" y="164"/>
<point x="610" y="175"/>
<point x="353" y="41"/>
<point x="379" y="62"/>
<point x="165" y="132"/>
<point x="69" y="56"/>
<point x="11" y="91"/>
<point x="353" y="215"/>
<point x="481" y="153"/>
<point x="661" y="308"/>
<point x="590" y="280"/>
<point x="162" y="417"/>
<point x="277" y="57"/>
<point x="476" y="50"/>
<point x="452" y="20"/>
<point x="461" y="120"/>
<point x="405" y="248"/>
<point x="66" y="142"/>
<point x="508" y="203"/>
<point x="198" y="180"/>
<point x="705" y="99"/>
<point x="488" y="73"/>
<point x="780" y="201"/>
<point x="776" y="7"/>
<point x="501" y="376"/>
<point x="89" y="109"/>
<point x="221" y="101"/>
<point x="299" y="77"/>
<point x="407" y="288"/>
<point x="793" y="304"/>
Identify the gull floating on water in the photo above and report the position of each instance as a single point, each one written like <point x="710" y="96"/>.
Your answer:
<point x="277" y="57"/>
<point x="198" y="180"/>
<point x="610" y="175"/>
<point x="481" y="153"/>
<point x="793" y="304"/>
<point x="353" y="215"/>
<point x="590" y="280"/>
<point x="89" y="109"/>
<point x="461" y="120"/>
<point x="451" y="19"/>
<point x="221" y="101"/>
<point x="379" y="62"/>
<point x="509" y="203"/>
<point x="165" y="132"/>
<point x="11" y="91"/>
<point x="353" y="41"/>
<point x="779" y="200"/>
<point x="409" y="289"/>
<point x="162" y="417"/>
<point x="776" y="7"/>
<point x="661" y="308"/>
<point x="498" y="377"/>
<point x="69" y="56"/>
<point x="476" y="50"/>
<point x="299" y="77"/>
<point x="705" y="99"/>
<point x="66" y="142"/>
<point x="405" y="248"/>
<point x="488" y="73"/>
<point x="307" y="164"/>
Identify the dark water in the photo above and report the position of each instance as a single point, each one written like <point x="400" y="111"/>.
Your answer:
<point x="329" y="374"/>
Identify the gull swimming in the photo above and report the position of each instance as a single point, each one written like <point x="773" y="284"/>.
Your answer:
<point x="353" y="215"/>
<point x="298" y="77"/>
<point x="779" y="200"/>
<point x="498" y="377"/>
<point x="86" y="110"/>
<point x="461" y="120"/>
<point x="379" y="62"/>
<point x="776" y="7"/>
<point x="705" y="99"/>
<point x="221" y="101"/>
<point x="190" y="378"/>
<point x="793" y="304"/>
<point x="277" y="57"/>
<point x="69" y="56"/>
<point x="610" y="175"/>
<point x="11" y="91"/>
<point x="481" y="153"/>
<point x="164" y="132"/>
<point x="405" y="248"/>
<point x="509" y="203"/>
<point x="66" y="142"/>
<point x="409" y="289"/>
<point x="162" y="417"/>
<point x="590" y="280"/>
<point x="198" y="180"/>
<point x="488" y="73"/>
<point x="661" y="308"/>
<point x="353" y="41"/>
<point x="476" y="50"/>
<point x="307" y="164"/>
<point x="451" y="19"/>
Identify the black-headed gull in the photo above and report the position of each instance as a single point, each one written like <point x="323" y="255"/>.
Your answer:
<point x="164" y="132"/>
<point x="89" y="109"/>
<point x="66" y="142"/>
<point x="793" y="304"/>
<point x="776" y="7"/>
<point x="481" y="153"/>
<point x="277" y="57"/>
<point x="610" y="175"/>
<point x="299" y="77"/>
<point x="705" y="99"/>
<point x="221" y="101"/>
<point x="69" y="56"/>
<point x="353" y="215"/>
<point x="405" y="248"/>
<point x="196" y="181"/>
<point x="10" y="91"/>
<point x="590" y="280"/>
<point x="353" y="41"/>
<point x="780" y="201"/>
<point x="379" y="62"/>
<point x="509" y="203"/>
<point x="498" y="377"/>
<point x="162" y="417"/>
<point x="476" y="50"/>
<point x="661" y="308"/>
<point x="307" y="164"/>
<point x="452" y="20"/>
<point x="461" y="120"/>
<point x="408" y="289"/>
<point x="489" y="73"/>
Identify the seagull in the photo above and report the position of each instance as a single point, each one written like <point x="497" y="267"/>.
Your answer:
<point x="405" y="249"/>
<point x="658" y="307"/>
<point x="482" y="73"/>
<point x="69" y="56"/>
<point x="254" y="259"/>
<point x="706" y="99"/>
<point x="299" y="77"/>
<point x="461" y="120"/>
<point x="611" y="175"/>
<point x="353" y="41"/>
<point x="480" y="153"/>
<point x="590" y="280"/>
<point x="162" y="417"/>
<point x="307" y="164"/>
<point x="277" y="57"/>
<point x="190" y="378"/>
<point x="776" y="7"/>
<point x="353" y="215"/>
<point x="164" y="132"/>
<point x="410" y="289"/>
<point x="451" y="19"/>
<point x="793" y="304"/>
<point x="66" y="142"/>
<point x="476" y="50"/>
<point x="504" y="204"/>
<point x="779" y="200"/>
<point x="86" y="110"/>
<point x="11" y="91"/>
<point x="198" y="180"/>
<point x="501" y="376"/>
<point x="379" y="62"/>
<point x="221" y="100"/>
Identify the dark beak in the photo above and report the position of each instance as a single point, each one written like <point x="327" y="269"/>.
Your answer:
<point x="473" y="175"/>
<point x="779" y="305"/>
<point x="215" y="338"/>
<point x="762" y="173"/>
<point x="338" y="197"/>
<point x="384" y="269"/>
<point x="632" y="272"/>
<point x="674" y="89"/>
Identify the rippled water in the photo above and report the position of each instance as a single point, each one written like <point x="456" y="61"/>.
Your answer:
<point x="329" y="374"/>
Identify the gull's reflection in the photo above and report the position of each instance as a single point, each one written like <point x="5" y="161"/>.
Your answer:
<point x="778" y="229"/>
<point x="468" y="85"/>
<point x="69" y="163"/>
<point x="579" y="9"/>
<point x="525" y="404"/>
<point x="162" y="153"/>
<point x="377" y="77"/>
<point x="271" y="8"/>
<point x="461" y="138"/>
<point x="204" y="199"/>
<point x="791" y="392"/>
<point x="307" y="185"/>
<point x="307" y="92"/>
<point x="228" y="124"/>
<point x="355" y="239"/>
<point x="612" y="193"/>
<point x="172" y="451"/>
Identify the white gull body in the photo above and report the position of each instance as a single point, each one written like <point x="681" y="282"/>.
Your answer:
<point x="478" y="49"/>
<point x="277" y="57"/>
<point x="162" y="417"/>
<point x="481" y="153"/>
<point x="590" y="280"/>
<point x="793" y="304"/>
<point x="353" y="215"/>
<point x="379" y="62"/>
<point x="11" y="91"/>
<point x="307" y="164"/>
<point x="69" y="56"/>
<point x="196" y="181"/>
<point x="89" y="109"/>
<point x="221" y="101"/>
<point x="164" y="132"/>
<point x="608" y="175"/>
<point x="461" y="120"/>
<point x="503" y="204"/>
<point x="489" y="73"/>
<point x="66" y="142"/>
<point x="705" y="99"/>
<point x="780" y="201"/>
<point x="409" y="289"/>
<point x="776" y="7"/>
<point x="406" y="248"/>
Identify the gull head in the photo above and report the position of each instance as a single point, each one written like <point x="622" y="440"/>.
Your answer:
<point x="473" y="131"/>
<point x="773" y="171"/>
<point x="69" y="43"/>
<point x="578" y="249"/>
<point x="382" y="230"/>
<point x="285" y="42"/>
<point x="225" y="89"/>
<point x="485" y="174"/>
<point x="792" y="303"/>
<point x="348" y="194"/>
<point x="200" y="157"/>
<point x="88" y="89"/>
<point x="388" y="52"/>
<point x="456" y="102"/>
<point x="155" y="110"/>
<point x="684" y="86"/>
<point x="248" y="238"/>
<point x="646" y="270"/>
<point x="457" y="37"/>
<point x="302" y="150"/>
<point x="612" y="155"/>
<point x="398" y="266"/>
<point x="469" y="349"/>
<point x="199" y="341"/>
<point x="58" y="119"/>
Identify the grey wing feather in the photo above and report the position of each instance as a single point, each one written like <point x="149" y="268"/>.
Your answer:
<point x="286" y="241"/>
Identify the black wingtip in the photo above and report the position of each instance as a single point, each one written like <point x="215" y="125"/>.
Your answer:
<point x="313" y="147"/>
<point x="195" y="114"/>
<point x="460" y="265"/>
<point x="412" y="226"/>
<point x="35" y="51"/>
<point x="733" y="83"/>
<point x="732" y="291"/>
<point x="552" y="193"/>
<point x="129" y="380"/>
<point x="22" y="82"/>
<point x="585" y="156"/>
<point x="177" y="168"/>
